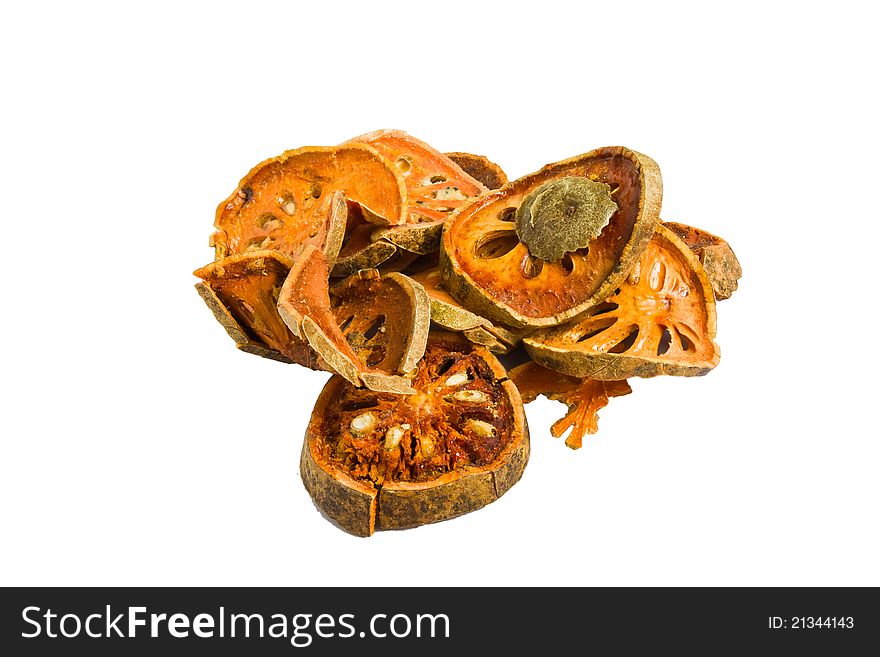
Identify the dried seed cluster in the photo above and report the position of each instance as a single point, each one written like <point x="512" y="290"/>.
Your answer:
<point x="405" y="272"/>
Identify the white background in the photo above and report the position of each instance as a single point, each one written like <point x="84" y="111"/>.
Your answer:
<point x="140" y="448"/>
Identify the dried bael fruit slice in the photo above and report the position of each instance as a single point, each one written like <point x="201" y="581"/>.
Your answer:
<point x="584" y="398"/>
<point x="436" y="186"/>
<point x="242" y="292"/>
<point x="661" y="320"/>
<point x="359" y="250"/>
<point x="718" y="259"/>
<point x="379" y="461"/>
<point x="385" y="318"/>
<point x="369" y="328"/>
<point x="493" y="272"/>
<point x="481" y="168"/>
<point x="285" y="202"/>
<point x="447" y="313"/>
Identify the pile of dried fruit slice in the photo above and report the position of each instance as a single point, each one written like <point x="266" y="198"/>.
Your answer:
<point x="403" y="270"/>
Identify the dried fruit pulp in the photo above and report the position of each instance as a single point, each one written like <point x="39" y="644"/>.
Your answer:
<point x="718" y="259"/>
<point x="247" y="286"/>
<point x="490" y="271"/>
<point x="660" y="321"/>
<point x="584" y="397"/>
<point x="435" y="185"/>
<point x="481" y="168"/>
<point x="393" y="462"/>
<point x="384" y="319"/>
<point x="283" y="202"/>
<point x="372" y="327"/>
<point x="422" y="436"/>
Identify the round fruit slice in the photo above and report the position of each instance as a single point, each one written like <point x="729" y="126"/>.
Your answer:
<point x="481" y="168"/>
<point x="661" y="320"/>
<point x="242" y="292"/>
<point x="493" y="272"/>
<point x="436" y="186"/>
<point x="584" y="398"/>
<point x="369" y="328"/>
<point x="289" y="201"/>
<point x="379" y="461"/>
<point x="718" y="259"/>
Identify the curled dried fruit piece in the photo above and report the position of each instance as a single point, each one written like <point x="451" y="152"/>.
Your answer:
<point x="359" y="250"/>
<point x="661" y="320"/>
<point x="718" y="259"/>
<point x="584" y="398"/>
<point x="242" y="292"/>
<point x="447" y="313"/>
<point x="296" y="199"/>
<point x="436" y="186"/>
<point x="491" y="272"/>
<point x="384" y="318"/>
<point x="379" y="461"/>
<point x="369" y="328"/>
<point x="481" y="168"/>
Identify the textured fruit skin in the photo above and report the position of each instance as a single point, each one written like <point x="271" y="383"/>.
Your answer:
<point x="561" y="348"/>
<point x="306" y="308"/>
<point x="481" y="168"/>
<point x="360" y="508"/>
<point x="718" y="259"/>
<point x="249" y="280"/>
<point x="499" y="291"/>
<point x="436" y="187"/>
<point x="309" y="177"/>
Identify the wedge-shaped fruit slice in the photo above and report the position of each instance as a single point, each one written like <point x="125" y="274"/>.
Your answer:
<point x="481" y="168"/>
<point x="369" y="328"/>
<point x="436" y="186"/>
<point x="285" y="202"/>
<point x="242" y="292"/>
<point x="718" y="259"/>
<point x="584" y="398"/>
<point x="661" y="320"/>
<point x="379" y="461"/>
<point x="492" y="272"/>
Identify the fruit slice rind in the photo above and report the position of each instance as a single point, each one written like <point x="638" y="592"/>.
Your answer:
<point x="718" y="259"/>
<point x="269" y="337"/>
<point x="361" y="506"/>
<point x="306" y="307"/>
<point x="677" y="297"/>
<point x="421" y="238"/>
<point x="297" y="193"/>
<point x="550" y="307"/>
<point x="481" y="168"/>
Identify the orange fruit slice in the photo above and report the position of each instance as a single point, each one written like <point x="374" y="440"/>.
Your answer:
<point x="379" y="461"/>
<point x="718" y="259"/>
<point x="661" y="320"/>
<point x="436" y="186"/>
<point x="289" y="201"/>
<point x="492" y="272"/>
<point x="369" y="328"/>
<point x="584" y="398"/>
<point x="242" y="292"/>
